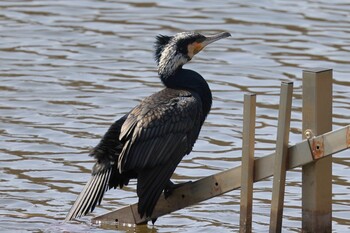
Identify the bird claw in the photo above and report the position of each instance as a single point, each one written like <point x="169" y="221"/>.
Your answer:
<point x="170" y="187"/>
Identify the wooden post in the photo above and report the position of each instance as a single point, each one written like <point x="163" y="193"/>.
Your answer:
<point x="247" y="171"/>
<point x="280" y="164"/>
<point x="317" y="177"/>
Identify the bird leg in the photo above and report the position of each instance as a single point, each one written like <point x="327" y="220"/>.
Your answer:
<point x="154" y="220"/>
<point x="170" y="187"/>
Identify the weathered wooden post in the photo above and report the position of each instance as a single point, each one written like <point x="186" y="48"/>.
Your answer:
<point x="317" y="176"/>
<point x="280" y="164"/>
<point x="247" y="171"/>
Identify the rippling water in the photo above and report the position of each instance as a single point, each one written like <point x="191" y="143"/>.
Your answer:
<point x="70" y="68"/>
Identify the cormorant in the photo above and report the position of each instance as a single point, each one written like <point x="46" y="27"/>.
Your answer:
<point x="149" y="142"/>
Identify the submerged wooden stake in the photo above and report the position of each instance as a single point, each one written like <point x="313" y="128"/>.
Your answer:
<point x="247" y="170"/>
<point x="279" y="174"/>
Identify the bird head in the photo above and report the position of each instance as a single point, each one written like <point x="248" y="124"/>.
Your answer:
<point x="172" y="52"/>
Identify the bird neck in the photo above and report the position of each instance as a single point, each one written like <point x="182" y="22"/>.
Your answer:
<point x="169" y="67"/>
<point x="192" y="81"/>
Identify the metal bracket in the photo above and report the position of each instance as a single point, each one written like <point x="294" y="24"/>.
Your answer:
<point x="316" y="144"/>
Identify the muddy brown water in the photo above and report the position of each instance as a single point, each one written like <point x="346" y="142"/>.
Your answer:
<point x="70" y="68"/>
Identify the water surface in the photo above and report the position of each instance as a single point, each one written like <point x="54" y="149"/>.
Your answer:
<point x="70" y="68"/>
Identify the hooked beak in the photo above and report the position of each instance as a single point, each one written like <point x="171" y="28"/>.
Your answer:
<point x="209" y="40"/>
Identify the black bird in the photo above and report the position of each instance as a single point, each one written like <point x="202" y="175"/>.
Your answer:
<point x="149" y="142"/>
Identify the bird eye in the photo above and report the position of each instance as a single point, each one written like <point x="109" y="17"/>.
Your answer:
<point x="200" y="39"/>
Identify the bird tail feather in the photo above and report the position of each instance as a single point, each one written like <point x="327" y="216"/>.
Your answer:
<point x="91" y="195"/>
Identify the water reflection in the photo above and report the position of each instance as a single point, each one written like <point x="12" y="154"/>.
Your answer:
<point x="70" y="68"/>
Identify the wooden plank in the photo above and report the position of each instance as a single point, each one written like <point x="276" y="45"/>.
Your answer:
<point x="184" y="196"/>
<point x="317" y="177"/>
<point x="280" y="165"/>
<point x="205" y="188"/>
<point x="247" y="171"/>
